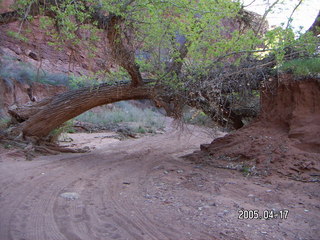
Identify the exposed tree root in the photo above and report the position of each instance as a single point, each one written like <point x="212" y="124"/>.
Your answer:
<point x="31" y="148"/>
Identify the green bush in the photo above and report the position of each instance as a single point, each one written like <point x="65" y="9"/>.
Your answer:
<point x="140" y="130"/>
<point x="55" y="134"/>
<point x="302" y="67"/>
<point x="196" y="117"/>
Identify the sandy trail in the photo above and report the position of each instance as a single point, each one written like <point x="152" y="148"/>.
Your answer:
<point x="142" y="189"/>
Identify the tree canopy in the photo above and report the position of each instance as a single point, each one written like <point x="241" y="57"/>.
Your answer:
<point x="159" y="36"/>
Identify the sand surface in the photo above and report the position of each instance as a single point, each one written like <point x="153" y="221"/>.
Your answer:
<point x="143" y="189"/>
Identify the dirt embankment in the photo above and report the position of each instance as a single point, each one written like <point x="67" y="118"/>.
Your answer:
<point x="284" y="139"/>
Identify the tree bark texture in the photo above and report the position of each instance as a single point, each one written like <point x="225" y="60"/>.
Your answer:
<point x="122" y="55"/>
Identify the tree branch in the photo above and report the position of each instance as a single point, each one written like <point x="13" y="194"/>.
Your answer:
<point x="123" y="56"/>
<point x="293" y="11"/>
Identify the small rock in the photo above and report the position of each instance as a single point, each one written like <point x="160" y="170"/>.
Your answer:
<point x="165" y="172"/>
<point x="198" y="166"/>
<point x="250" y="195"/>
<point x="33" y="56"/>
<point x="70" y="195"/>
<point x="159" y="167"/>
<point x="147" y="196"/>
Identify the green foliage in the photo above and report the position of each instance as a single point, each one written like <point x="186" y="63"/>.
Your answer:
<point x="140" y="130"/>
<point x="157" y="29"/>
<point x="196" y="117"/>
<point x="116" y="76"/>
<point x="67" y="127"/>
<point x="246" y="170"/>
<point x="18" y="36"/>
<point x="111" y="77"/>
<point x="302" y="67"/>
<point x="165" y="25"/>
<point x="81" y="81"/>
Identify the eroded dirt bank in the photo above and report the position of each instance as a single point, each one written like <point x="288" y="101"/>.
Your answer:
<point x="284" y="140"/>
<point x="142" y="189"/>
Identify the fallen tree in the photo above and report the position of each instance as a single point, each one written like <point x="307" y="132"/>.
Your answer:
<point x="173" y="86"/>
<point x="40" y="118"/>
<point x="32" y="125"/>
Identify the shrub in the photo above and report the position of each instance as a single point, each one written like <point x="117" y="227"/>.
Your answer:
<point x="55" y="134"/>
<point x="140" y="130"/>
<point x="26" y="73"/>
<point x="196" y="117"/>
<point x="302" y="67"/>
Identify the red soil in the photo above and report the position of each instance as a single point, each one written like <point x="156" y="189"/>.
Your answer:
<point x="141" y="189"/>
<point x="284" y="139"/>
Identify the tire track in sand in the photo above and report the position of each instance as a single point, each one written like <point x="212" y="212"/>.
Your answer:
<point x="32" y="208"/>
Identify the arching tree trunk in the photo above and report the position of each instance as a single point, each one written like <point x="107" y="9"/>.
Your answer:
<point x="39" y="119"/>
